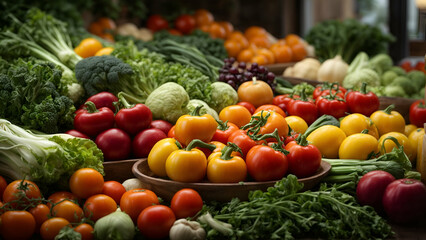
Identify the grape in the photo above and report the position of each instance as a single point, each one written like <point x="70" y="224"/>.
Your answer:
<point x="230" y="77"/>
<point x="233" y="70"/>
<point x="270" y="76"/>
<point x="222" y="77"/>
<point x="232" y="83"/>
<point x="242" y="65"/>
<point x="261" y="69"/>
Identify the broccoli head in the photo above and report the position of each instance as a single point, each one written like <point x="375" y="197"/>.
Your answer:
<point x="101" y="73"/>
<point x="406" y="84"/>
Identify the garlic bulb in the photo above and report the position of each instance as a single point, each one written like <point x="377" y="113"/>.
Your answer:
<point x="333" y="70"/>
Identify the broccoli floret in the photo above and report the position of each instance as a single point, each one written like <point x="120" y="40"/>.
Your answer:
<point x="418" y="78"/>
<point x="406" y="84"/>
<point x="103" y="73"/>
<point x="398" y="70"/>
<point x="388" y="77"/>
<point x="394" y="91"/>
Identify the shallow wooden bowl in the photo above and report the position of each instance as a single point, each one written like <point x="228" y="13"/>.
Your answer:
<point x="119" y="170"/>
<point x="222" y="192"/>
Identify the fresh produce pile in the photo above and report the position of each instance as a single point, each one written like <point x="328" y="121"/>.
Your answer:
<point x="67" y="106"/>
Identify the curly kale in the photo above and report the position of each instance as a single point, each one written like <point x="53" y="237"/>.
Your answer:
<point x="29" y="96"/>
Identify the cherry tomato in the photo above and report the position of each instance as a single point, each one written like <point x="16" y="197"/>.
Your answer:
<point x="134" y="201"/>
<point x="336" y="107"/>
<point x="156" y="23"/>
<point x="76" y="133"/>
<point x="223" y="132"/>
<point x="303" y="160"/>
<point x="155" y="222"/>
<point x="275" y="121"/>
<point x="17" y="225"/>
<point x="266" y="164"/>
<point x="271" y="107"/>
<point x="135" y="119"/>
<point x="162" y="125"/>
<point x="404" y="200"/>
<point x="68" y="210"/>
<point x="242" y="140"/>
<point x="145" y="140"/>
<point x="186" y="203"/>
<point x="51" y="227"/>
<point x="3" y="185"/>
<point x="115" y="144"/>
<point x="61" y="195"/>
<point x="248" y="105"/>
<point x="113" y="189"/>
<point x="98" y="206"/>
<point x="104" y="99"/>
<point x="85" y="230"/>
<point x="236" y="114"/>
<point x="86" y="182"/>
<point x="185" y="23"/>
<point x="371" y="187"/>
<point x="14" y="192"/>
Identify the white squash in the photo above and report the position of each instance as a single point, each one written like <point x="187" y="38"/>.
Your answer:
<point x="307" y="69"/>
<point x="333" y="70"/>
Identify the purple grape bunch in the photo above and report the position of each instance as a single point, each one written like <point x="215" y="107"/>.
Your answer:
<point x="235" y="73"/>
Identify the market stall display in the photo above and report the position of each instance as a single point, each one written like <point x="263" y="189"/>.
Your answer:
<point x="194" y="128"/>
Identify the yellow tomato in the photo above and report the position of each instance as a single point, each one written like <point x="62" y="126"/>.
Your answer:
<point x="356" y="123"/>
<point x="231" y="170"/>
<point x="388" y="145"/>
<point x="256" y="92"/>
<point x="297" y="124"/>
<point x="388" y="121"/>
<point x="236" y="114"/>
<point x="358" y="146"/>
<point x="409" y="128"/>
<point x="327" y="139"/>
<point x="158" y="155"/>
<point x="104" y="51"/>
<point x="414" y="137"/>
<point x="88" y="47"/>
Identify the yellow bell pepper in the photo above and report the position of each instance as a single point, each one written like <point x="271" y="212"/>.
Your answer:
<point x="357" y="123"/>
<point x="226" y="168"/>
<point x="327" y="139"/>
<point x="414" y="137"/>
<point x="421" y="158"/>
<point x="388" y="145"/>
<point x="359" y="146"/>
<point x="388" y="120"/>
<point x="159" y="153"/>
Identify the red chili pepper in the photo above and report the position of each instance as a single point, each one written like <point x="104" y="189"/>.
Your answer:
<point x="362" y="101"/>
<point x="92" y="121"/>
<point x="417" y="113"/>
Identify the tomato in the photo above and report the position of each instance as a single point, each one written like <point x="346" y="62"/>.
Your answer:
<point x="92" y="121"/>
<point x="409" y="128"/>
<point x="362" y="101"/>
<point x="190" y="127"/>
<point x="115" y="144"/>
<point x="416" y="137"/>
<point x="155" y="222"/>
<point x="134" y="201"/>
<point x="327" y="139"/>
<point x="420" y="66"/>
<point x="86" y="182"/>
<point x="223" y="131"/>
<point x="404" y="201"/>
<point x="406" y="65"/>
<point x="303" y="159"/>
<point x="371" y="187"/>
<point x="104" y="99"/>
<point x="61" y="195"/>
<point x="156" y="23"/>
<point x="226" y="167"/>
<point x="304" y="108"/>
<point x="387" y="145"/>
<point x="3" y="185"/>
<point x="248" y="105"/>
<point x="327" y="89"/>
<point x="76" y="133"/>
<point x="335" y="107"/>
<point x="17" y="225"/>
<point x="417" y="113"/>
<point x="297" y="124"/>
<point x="186" y="203"/>
<point x="171" y="133"/>
<point x="68" y="210"/>
<point x="85" y="230"/>
<point x="273" y="122"/>
<point x="98" y="206"/>
<point x="256" y="92"/>
<point x="243" y="141"/>
<point x="88" y="47"/>
<point x="134" y="119"/>
<point x="358" y="146"/>
<point x="283" y="100"/>
<point x="113" y="189"/>
<point x="236" y="114"/>
<point x="162" y="125"/>
<point x="51" y="227"/>
<point x="271" y="107"/>
<point x="356" y="123"/>
<point x="185" y="23"/>
<point x="22" y="190"/>
<point x="145" y="140"/>
<point x="203" y="17"/>
<point x="266" y="164"/>
<point x="41" y="213"/>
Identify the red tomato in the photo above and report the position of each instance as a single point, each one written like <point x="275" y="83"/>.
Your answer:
<point x="171" y="133"/>
<point x="162" y="125"/>
<point x="98" y="206"/>
<point x="266" y="164"/>
<point x="85" y="230"/>
<point x="224" y="131"/>
<point x="174" y="32"/>
<point x="406" y="65"/>
<point x="417" y="113"/>
<point x="113" y="189"/>
<point x="248" y="105"/>
<point x="145" y="140"/>
<point x="68" y="210"/>
<point x="134" y="119"/>
<point x="134" y="201"/>
<point x="15" y="191"/>
<point x="334" y="107"/>
<point x="104" y="99"/>
<point x="51" y="227"/>
<point x="40" y="213"/>
<point x="61" y="195"/>
<point x="327" y="89"/>
<point x="404" y="201"/>
<point x="362" y="101"/>
<point x="185" y="23"/>
<point x="303" y="161"/>
<point x="283" y="100"/>
<point x="420" y="65"/>
<point x="242" y="140"/>
<point x="115" y="144"/>
<point x="304" y="109"/>
<point x="92" y="122"/>
<point x="155" y="222"/>
<point x="86" y="182"/>
<point x="271" y="107"/>
<point x="76" y="133"/>
<point x="17" y="225"/>
<point x="156" y="23"/>
<point x="3" y="185"/>
<point x="371" y="187"/>
<point x="186" y="203"/>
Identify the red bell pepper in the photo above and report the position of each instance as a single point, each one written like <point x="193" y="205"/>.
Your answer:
<point x="362" y="101"/>
<point x="133" y="118"/>
<point x="417" y="113"/>
<point x="92" y="121"/>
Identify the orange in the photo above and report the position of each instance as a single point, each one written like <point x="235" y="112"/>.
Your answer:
<point x="282" y="54"/>
<point x="233" y="47"/>
<point x="292" y="39"/>
<point x="203" y="17"/>
<point x="259" y="59"/>
<point x="299" y="51"/>
<point x="229" y="28"/>
<point x="216" y="30"/>
<point x="260" y="41"/>
<point x="238" y="36"/>
<point x="267" y="53"/>
<point x="245" y="55"/>
<point x="254" y="31"/>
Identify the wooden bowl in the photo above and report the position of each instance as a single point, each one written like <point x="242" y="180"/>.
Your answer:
<point x="221" y="192"/>
<point x="119" y="170"/>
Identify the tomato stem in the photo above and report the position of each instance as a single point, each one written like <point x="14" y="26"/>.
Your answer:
<point x="228" y="149"/>
<point x="223" y="126"/>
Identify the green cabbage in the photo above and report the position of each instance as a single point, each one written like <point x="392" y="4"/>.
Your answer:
<point x="222" y="95"/>
<point x="355" y="79"/>
<point x="116" y="225"/>
<point x="205" y="109"/>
